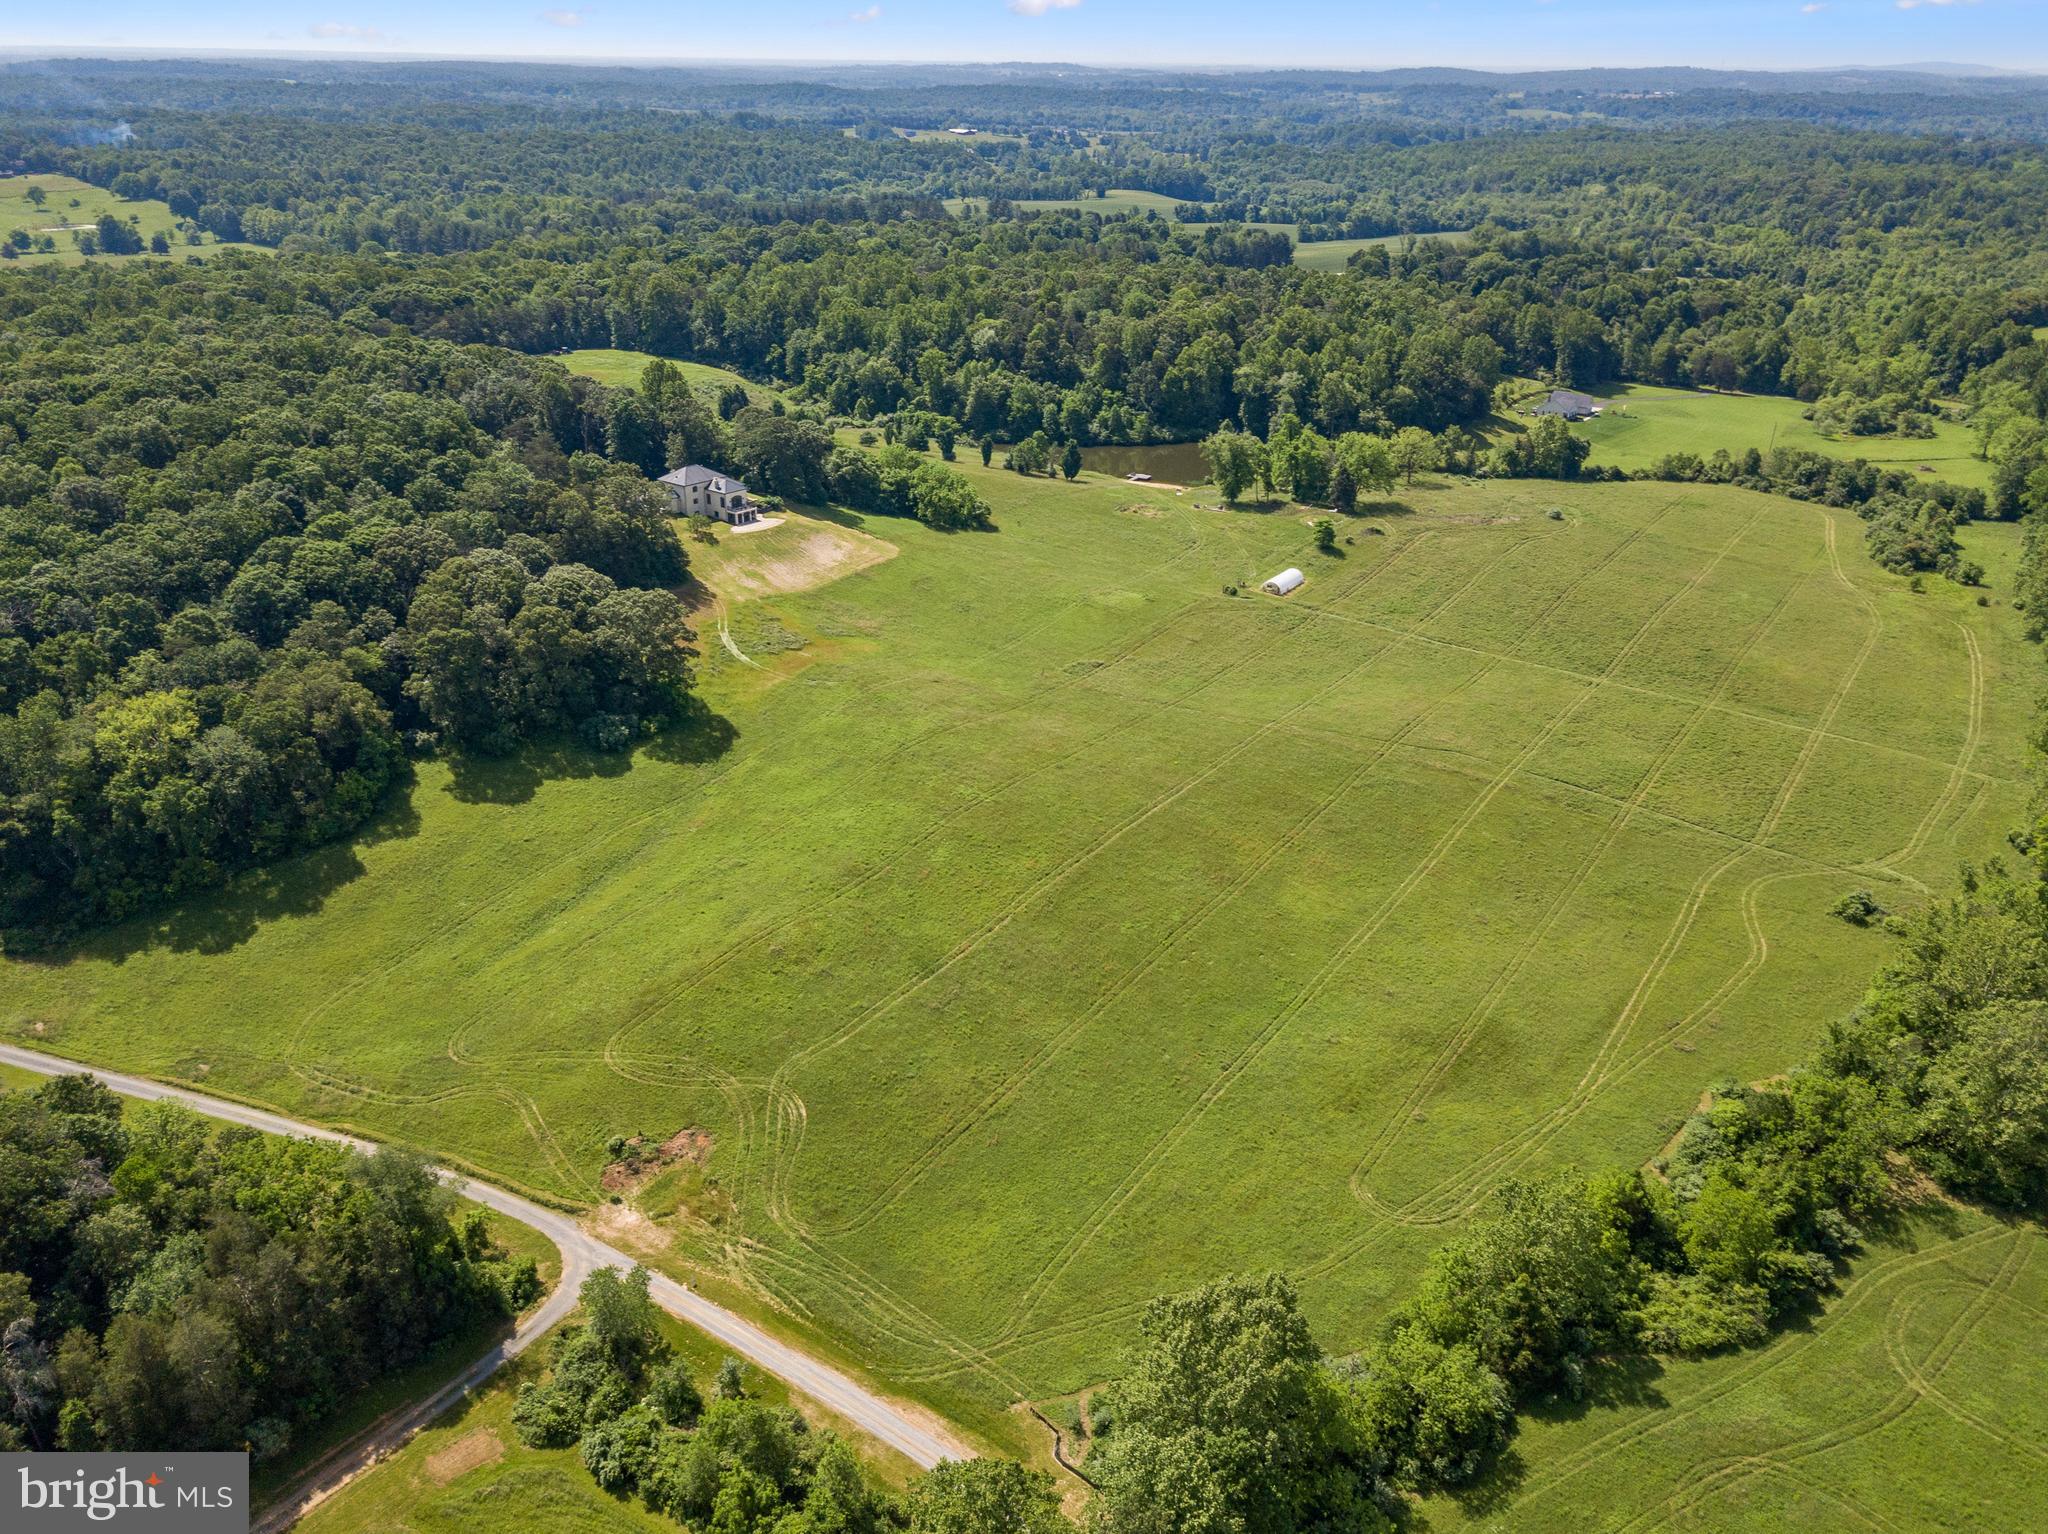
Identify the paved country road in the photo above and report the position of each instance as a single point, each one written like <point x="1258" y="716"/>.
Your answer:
<point x="582" y="1254"/>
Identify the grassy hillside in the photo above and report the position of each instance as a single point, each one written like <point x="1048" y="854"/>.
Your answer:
<point x="1111" y="202"/>
<point x="1040" y="929"/>
<point x="71" y="204"/>
<point x="1321" y="255"/>
<point x="622" y="369"/>
<point x="1651" y="422"/>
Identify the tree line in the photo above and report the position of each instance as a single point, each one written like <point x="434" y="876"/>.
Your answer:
<point x="721" y="1460"/>
<point x="168" y="1284"/>
<point x="252" y="558"/>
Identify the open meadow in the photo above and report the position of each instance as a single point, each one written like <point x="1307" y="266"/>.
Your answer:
<point x="70" y="204"/>
<point x="1643" y="423"/>
<point x="621" y="369"/>
<point x="1033" y="928"/>
<point x="1335" y="255"/>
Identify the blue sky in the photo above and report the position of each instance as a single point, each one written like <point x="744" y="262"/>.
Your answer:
<point x="1329" y="33"/>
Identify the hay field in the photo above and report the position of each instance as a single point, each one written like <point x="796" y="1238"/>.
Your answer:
<point x="1035" y="928"/>
<point x="1653" y="422"/>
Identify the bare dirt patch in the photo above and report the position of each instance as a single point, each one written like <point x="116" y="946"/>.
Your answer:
<point x="623" y="1225"/>
<point x="482" y="1447"/>
<point x="801" y="555"/>
<point x="639" y="1161"/>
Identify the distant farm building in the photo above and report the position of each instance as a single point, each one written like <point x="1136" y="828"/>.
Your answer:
<point x="695" y="491"/>
<point x="1570" y="404"/>
<point x="964" y="132"/>
<point x="1283" y="583"/>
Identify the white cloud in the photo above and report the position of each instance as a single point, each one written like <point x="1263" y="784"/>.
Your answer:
<point x="1914" y="5"/>
<point x="872" y="13"/>
<point x="562" y="18"/>
<point x="346" y="29"/>
<point x="1813" y="9"/>
<point x="1040" y="7"/>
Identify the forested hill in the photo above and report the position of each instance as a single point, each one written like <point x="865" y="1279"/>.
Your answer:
<point x="1050" y="96"/>
<point x="251" y="553"/>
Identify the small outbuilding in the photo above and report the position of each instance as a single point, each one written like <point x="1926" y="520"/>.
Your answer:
<point x="1283" y="583"/>
<point x="1570" y="404"/>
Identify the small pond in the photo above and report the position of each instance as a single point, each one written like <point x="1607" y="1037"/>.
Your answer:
<point x="1175" y="463"/>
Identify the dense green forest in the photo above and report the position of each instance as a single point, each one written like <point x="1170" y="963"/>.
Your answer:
<point x="167" y="1283"/>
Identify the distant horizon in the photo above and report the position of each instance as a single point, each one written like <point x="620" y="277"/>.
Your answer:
<point x="1491" y="36"/>
<point x="59" y="52"/>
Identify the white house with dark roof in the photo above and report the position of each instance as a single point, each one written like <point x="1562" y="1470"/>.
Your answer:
<point x="695" y="491"/>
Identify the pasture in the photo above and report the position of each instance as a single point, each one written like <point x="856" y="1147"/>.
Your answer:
<point x="1108" y="204"/>
<point x="71" y="204"/>
<point x="1651" y="422"/>
<point x="1335" y="255"/>
<point x="1911" y="1402"/>
<point x="621" y="369"/>
<point x="1034" y="928"/>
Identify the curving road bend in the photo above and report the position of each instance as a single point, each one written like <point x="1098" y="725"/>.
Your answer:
<point x="582" y="1254"/>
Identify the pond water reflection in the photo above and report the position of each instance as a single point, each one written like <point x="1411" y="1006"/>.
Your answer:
<point x="1174" y="463"/>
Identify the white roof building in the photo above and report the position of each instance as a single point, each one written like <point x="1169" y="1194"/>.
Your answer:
<point x="695" y="491"/>
<point x="1284" y="582"/>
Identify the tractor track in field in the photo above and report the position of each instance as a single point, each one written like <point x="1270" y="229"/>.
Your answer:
<point x="788" y="1113"/>
<point x="785" y="1151"/>
<point x="1042" y="1058"/>
<point x="1454" y="1046"/>
<point x="1556" y="1473"/>
<point x="909" y="1434"/>
<point x="1163" y="1146"/>
<point x="1712" y="1477"/>
<point x="1457" y="1195"/>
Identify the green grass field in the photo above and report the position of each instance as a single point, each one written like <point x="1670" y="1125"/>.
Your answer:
<point x="1042" y="930"/>
<point x="1335" y="255"/>
<point x="1651" y="422"/>
<point x="1110" y="203"/>
<point x="1912" y="1402"/>
<point x="69" y="204"/>
<point x="622" y="369"/>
